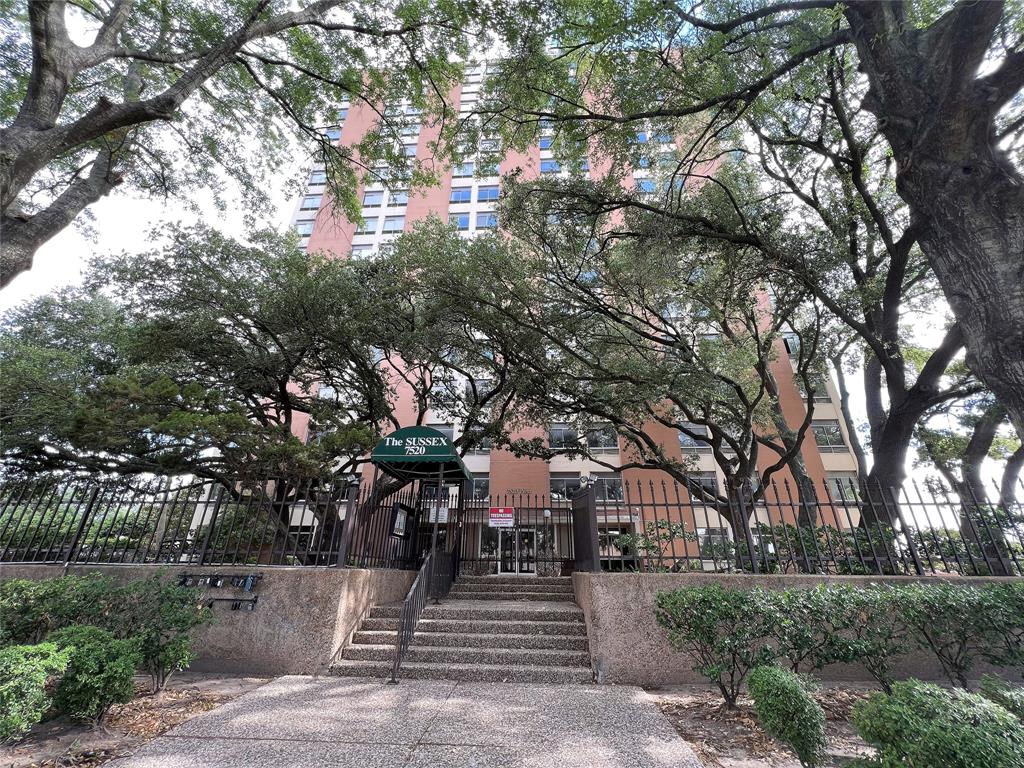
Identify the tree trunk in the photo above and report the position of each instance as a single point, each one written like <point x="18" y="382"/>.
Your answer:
<point x="938" y="116"/>
<point x="22" y="235"/>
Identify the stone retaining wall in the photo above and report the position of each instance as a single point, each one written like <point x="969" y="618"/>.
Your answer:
<point x="628" y="646"/>
<point x="303" y="619"/>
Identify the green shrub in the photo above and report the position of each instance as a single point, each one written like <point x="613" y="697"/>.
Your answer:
<point x="877" y="634"/>
<point x="949" y="620"/>
<point x="786" y="711"/>
<point x="924" y="726"/>
<point x="812" y="629"/>
<point x="161" y="617"/>
<point x="723" y="631"/>
<point x="1009" y="697"/>
<point x="1003" y="643"/>
<point x="24" y="672"/>
<point x="159" y="614"/>
<point x="99" y="673"/>
<point x="32" y="609"/>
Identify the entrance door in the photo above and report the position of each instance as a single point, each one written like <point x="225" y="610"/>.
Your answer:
<point x="517" y="550"/>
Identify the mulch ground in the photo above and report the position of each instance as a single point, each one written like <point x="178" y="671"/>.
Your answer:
<point x="725" y="738"/>
<point x="60" y="743"/>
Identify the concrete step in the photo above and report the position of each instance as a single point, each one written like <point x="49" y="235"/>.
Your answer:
<point x="483" y="627"/>
<point x="520" y="586"/>
<point x="529" y="657"/>
<point x="483" y="640"/>
<point x="486" y="610"/>
<point x="511" y="579"/>
<point x="486" y="673"/>
<point x="548" y="597"/>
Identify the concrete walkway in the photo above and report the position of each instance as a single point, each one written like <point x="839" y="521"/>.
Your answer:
<point x="362" y="723"/>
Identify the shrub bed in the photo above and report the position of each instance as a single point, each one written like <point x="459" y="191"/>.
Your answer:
<point x="925" y="726"/>
<point x="99" y="672"/>
<point x="25" y="671"/>
<point x="726" y="632"/>
<point x="786" y="711"/>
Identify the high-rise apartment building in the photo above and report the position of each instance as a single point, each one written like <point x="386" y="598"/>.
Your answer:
<point x="467" y="197"/>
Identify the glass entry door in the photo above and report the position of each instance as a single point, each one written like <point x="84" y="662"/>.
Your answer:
<point x="517" y="549"/>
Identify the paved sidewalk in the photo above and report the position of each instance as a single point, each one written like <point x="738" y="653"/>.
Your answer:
<point x="362" y="723"/>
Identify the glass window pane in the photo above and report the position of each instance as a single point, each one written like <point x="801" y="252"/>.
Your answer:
<point x="461" y="195"/>
<point x="304" y="228"/>
<point x="399" y="197"/>
<point x="373" y="199"/>
<point x="311" y="202"/>
<point x="394" y="224"/>
<point x="486" y="220"/>
<point x="368" y="227"/>
<point x="486" y="194"/>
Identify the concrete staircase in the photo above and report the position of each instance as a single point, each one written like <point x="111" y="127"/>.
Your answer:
<point x="489" y="629"/>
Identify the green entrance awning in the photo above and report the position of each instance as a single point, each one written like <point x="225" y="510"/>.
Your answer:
<point x="419" y="453"/>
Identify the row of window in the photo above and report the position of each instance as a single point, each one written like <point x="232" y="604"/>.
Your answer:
<point x="487" y="194"/>
<point x="392" y="225"/>
<point x="375" y="199"/>
<point x="485" y="220"/>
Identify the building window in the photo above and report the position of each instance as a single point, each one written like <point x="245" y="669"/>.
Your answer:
<point x="607" y="487"/>
<point x="646" y="186"/>
<point x="564" y="485"/>
<point x="546" y="142"/>
<point x="562" y="436"/>
<point x="843" y="487"/>
<point x="828" y="436"/>
<point x="792" y="344"/>
<point x="482" y="447"/>
<point x="486" y="194"/>
<point x="486" y="220"/>
<point x="461" y="195"/>
<point x="694" y="444"/>
<point x="311" y="202"/>
<point x="481" y="386"/>
<point x="463" y="171"/>
<point x="368" y="226"/>
<point x="373" y="199"/>
<point x="360" y="252"/>
<point x="394" y="224"/>
<point x="715" y="543"/>
<point x="481" y="487"/>
<point x="399" y="197"/>
<point x="489" y="145"/>
<point x="603" y="439"/>
<point x="343" y="113"/>
<point x="460" y="220"/>
<point x="410" y="130"/>
<point x="661" y="138"/>
<point x="304" y="228"/>
<point x="332" y="134"/>
<point x="709" y="482"/>
<point x="317" y="178"/>
<point x="550" y="166"/>
<point x="448" y="430"/>
<point x="641" y="138"/>
<point x="488" y="169"/>
<point x="818" y="385"/>
<point x="409" y="150"/>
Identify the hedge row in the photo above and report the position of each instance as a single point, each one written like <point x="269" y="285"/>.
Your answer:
<point x="87" y="636"/>
<point x="727" y="632"/>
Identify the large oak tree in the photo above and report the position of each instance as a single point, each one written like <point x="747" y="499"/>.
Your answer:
<point x="164" y="96"/>
<point x="942" y="81"/>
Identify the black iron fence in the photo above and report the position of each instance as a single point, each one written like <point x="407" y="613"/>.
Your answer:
<point x="274" y="521"/>
<point x="845" y="528"/>
<point x="637" y="526"/>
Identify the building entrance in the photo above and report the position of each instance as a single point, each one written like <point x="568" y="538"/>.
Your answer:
<point x="518" y="550"/>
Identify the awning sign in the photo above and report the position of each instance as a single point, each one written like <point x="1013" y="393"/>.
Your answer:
<point x="502" y="517"/>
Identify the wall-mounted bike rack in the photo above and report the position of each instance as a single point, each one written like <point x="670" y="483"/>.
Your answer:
<point x="245" y="582"/>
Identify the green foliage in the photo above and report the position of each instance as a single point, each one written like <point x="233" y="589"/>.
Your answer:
<point x="810" y="628"/>
<point x="155" y="614"/>
<point x="925" y="726"/>
<point x="159" y="617"/>
<point x="948" y="620"/>
<point x="787" y="712"/>
<point x="877" y="632"/>
<point x="100" y="671"/>
<point x="1004" y="631"/>
<point x="723" y="631"/>
<point x="1009" y="697"/>
<point x="24" y="673"/>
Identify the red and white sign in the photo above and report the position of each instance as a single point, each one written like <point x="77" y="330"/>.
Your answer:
<point x="502" y="517"/>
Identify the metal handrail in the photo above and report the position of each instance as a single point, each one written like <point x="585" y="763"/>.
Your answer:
<point x="420" y="592"/>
